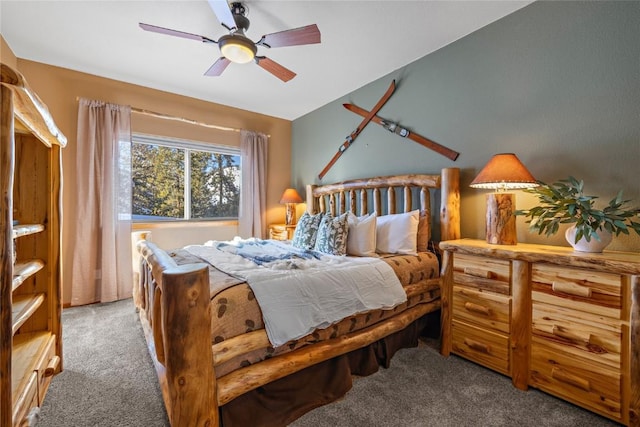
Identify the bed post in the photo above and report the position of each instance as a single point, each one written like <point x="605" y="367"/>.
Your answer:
<point x="186" y="329"/>
<point x="450" y="204"/>
<point x="311" y="201"/>
<point x="449" y="230"/>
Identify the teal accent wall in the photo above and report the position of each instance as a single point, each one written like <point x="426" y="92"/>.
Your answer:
<point x="557" y="83"/>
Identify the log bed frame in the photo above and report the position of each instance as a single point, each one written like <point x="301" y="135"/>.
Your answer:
<point x="174" y="309"/>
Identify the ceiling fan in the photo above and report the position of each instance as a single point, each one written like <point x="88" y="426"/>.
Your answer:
<point x="238" y="48"/>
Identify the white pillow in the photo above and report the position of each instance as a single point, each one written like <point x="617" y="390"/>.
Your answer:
<point x="397" y="233"/>
<point x="361" y="239"/>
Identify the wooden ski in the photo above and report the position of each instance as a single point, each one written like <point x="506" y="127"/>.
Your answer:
<point x="368" y="116"/>
<point x="395" y="128"/>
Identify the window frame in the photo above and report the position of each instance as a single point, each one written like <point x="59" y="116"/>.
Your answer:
<point x="187" y="146"/>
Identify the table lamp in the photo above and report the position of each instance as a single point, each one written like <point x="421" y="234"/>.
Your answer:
<point x="290" y="197"/>
<point x="503" y="172"/>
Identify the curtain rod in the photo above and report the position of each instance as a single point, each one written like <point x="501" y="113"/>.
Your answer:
<point x="179" y="119"/>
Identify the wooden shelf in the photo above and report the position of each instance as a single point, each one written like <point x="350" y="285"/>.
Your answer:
<point x="23" y="307"/>
<point x="23" y="270"/>
<point x="31" y="184"/>
<point x="26" y="229"/>
<point x="27" y="349"/>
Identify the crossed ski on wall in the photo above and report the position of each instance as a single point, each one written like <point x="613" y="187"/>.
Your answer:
<point x="371" y="116"/>
<point x="405" y="133"/>
<point x="367" y="118"/>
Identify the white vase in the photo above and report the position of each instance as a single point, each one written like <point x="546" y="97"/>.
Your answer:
<point x="594" y="245"/>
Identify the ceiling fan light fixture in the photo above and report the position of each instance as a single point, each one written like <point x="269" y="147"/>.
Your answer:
<point x="237" y="48"/>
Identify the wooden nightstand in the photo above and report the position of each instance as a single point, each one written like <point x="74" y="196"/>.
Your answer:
<point x="281" y="231"/>
<point x="565" y="322"/>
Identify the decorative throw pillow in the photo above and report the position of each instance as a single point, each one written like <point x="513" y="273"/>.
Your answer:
<point x="361" y="238"/>
<point x="397" y="233"/>
<point x="332" y="235"/>
<point x="304" y="236"/>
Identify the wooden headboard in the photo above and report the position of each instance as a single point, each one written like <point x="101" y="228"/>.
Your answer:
<point x="353" y="195"/>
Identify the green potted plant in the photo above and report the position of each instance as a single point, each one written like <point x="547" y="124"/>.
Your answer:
<point x="564" y="202"/>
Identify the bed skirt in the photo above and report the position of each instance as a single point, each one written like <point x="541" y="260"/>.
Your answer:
<point x="282" y="401"/>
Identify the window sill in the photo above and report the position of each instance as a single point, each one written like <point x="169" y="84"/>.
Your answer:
<point x="136" y="226"/>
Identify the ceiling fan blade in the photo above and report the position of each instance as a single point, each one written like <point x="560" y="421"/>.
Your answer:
<point x="175" y="33"/>
<point x="297" y="36"/>
<point x="274" y="68"/>
<point x="218" y="67"/>
<point x="223" y="13"/>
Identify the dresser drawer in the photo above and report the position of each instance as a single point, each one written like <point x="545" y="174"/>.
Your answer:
<point x="281" y="231"/>
<point x="482" y="273"/>
<point x="278" y="234"/>
<point x="46" y="367"/>
<point x="580" y="334"/>
<point x="485" y="309"/>
<point x="25" y="402"/>
<point x="485" y="347"/>
<point x="590" y="291"/>
<point x="576" y="379"/>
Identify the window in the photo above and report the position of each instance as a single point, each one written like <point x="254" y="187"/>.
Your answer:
<point x="182" y="180"/>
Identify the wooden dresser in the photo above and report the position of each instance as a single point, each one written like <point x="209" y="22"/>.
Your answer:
<point x="30" y="288"/>
<point x="565" y="322"/>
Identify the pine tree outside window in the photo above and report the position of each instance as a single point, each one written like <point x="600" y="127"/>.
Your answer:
<point x="184" y="180"/>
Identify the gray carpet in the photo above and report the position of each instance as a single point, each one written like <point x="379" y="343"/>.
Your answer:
<point x="109" y="381"/>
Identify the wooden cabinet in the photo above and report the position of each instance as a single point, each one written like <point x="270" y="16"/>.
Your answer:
<point x="281" y="231"/>
<point x="565" y="322"/>
<point x="481" y="316"/>
<point x="30" y="288"/>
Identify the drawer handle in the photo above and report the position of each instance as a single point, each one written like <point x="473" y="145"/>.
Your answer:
<point x="477" y="272"/>
<point x="52" y="366"/>
<point x="477" y="308"/>
<point x="571" y="289"/>
<point x="561" y="332"/>
<point x="565" y="377"/>
<point x="477" y="346"/>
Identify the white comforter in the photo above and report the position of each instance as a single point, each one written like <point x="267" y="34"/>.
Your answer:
<point x="299" y="291"/>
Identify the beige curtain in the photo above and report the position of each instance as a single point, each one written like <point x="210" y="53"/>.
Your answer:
<point x="253" y="195"/>
<point x="101" y="252"/>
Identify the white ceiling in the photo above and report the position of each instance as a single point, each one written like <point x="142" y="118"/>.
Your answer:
<point x="361" y="42"/>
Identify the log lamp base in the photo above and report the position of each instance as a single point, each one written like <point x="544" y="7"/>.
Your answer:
<point x="501" y="221"/>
